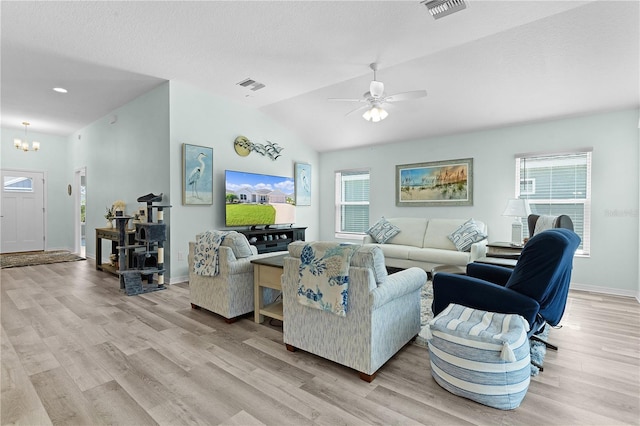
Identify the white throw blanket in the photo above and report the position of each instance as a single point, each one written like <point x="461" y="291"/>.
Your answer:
<point x="543" y="223"/>
<point x="324" y="276"/>
<point x="205" y="255"/>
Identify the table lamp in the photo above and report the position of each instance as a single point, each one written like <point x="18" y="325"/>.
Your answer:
<point x="517" y="208"/>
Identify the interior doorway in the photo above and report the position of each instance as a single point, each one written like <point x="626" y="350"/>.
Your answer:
<point x="80" y="217"/>
<point x="23" y="207"/>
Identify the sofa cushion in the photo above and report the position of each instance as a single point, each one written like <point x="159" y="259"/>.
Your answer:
<point x="382" y="230"/>
<point x="396" y="251"/>
<point x="238" y="243"/>
<point x="412" y="231"/>
<point x="438" y="231"/>
<point x="439" y="256"/>
<point x="467" y="234"/>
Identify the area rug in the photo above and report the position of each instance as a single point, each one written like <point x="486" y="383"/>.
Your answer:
<point x="538" y="349"/>
<point x="14" y="260"/>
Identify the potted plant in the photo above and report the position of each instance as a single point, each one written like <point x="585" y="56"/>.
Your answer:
<point x="109" y="216"/>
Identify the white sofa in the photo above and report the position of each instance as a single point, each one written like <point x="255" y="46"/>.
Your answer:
<point x="424" y="243"/>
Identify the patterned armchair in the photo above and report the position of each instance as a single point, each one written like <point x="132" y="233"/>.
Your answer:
<point x="231" y="292"/>
<point x="382" y="315"/>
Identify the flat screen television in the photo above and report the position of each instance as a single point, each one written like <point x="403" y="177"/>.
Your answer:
<point x="254" y="199"/>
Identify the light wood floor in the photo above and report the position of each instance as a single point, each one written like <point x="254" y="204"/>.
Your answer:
<point x="77" y="351"/>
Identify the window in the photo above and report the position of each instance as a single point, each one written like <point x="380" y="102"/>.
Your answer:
<point x="558" y="184"/>
<point x="352" y="201"/>
<point x="18" y="184"/>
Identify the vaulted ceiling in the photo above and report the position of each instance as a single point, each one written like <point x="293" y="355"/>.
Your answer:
<point x="496" y="63"/>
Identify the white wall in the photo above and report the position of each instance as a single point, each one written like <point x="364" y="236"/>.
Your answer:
<point x="612" y="266"/>
<point x="52" y="158"/>
<point x="155" y="126"/>
<point x="124" y="160"/>
<point x="199" y="118"/>
<point x="141" y="152"/>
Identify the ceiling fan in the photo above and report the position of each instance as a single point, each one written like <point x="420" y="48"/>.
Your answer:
<point x="376" y="97"/>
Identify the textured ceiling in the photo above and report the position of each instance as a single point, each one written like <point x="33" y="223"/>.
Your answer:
<point x="496" y="63"/>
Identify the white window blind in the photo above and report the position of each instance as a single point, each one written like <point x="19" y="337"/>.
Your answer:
<point x="352" y="201"/>
<point x="556" y="184"/>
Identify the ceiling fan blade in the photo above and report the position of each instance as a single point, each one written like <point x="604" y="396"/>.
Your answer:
<point x="404" y="96"/>
<point x="346" y="100"/>
<point x="357" y="109"/>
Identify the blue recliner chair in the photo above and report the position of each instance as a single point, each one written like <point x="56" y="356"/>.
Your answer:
<point x="536" y="288"/>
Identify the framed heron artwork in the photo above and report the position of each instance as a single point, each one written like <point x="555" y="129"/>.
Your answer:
<point x="197" y="175"/>
<point x="303" y="184"/>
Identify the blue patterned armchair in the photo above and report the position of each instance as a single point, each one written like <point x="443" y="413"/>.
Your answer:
<point x="382" y="314"/>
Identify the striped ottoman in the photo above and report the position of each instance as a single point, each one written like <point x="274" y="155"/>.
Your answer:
<point x="483" y="356"/>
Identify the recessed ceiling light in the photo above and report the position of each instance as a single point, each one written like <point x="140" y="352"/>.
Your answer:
<point x="60" y="89"/>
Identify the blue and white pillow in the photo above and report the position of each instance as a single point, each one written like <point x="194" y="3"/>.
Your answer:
<point x="467" y="234"/>
<point x="383" y="230"/>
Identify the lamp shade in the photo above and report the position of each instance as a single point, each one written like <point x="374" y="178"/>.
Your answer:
<point x="517" y="207"/>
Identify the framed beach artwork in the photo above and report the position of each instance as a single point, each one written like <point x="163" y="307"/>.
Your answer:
<point x="437" y="183"/>
<point x="303" y="184"/>
<point x="197" y="175"/>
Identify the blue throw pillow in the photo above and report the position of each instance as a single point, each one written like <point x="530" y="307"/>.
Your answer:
<point x="383" y="230"/>
<point x="467" y="234"/>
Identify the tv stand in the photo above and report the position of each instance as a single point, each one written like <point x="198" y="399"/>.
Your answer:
<point x="277" y="239"/>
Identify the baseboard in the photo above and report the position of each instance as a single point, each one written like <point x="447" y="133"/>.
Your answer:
<point x="606" y="290"/>
<point x="169" y="281"/>
<point x="178" y="280"/>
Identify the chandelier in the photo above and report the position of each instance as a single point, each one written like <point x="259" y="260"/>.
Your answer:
<point x="23" y="144"/>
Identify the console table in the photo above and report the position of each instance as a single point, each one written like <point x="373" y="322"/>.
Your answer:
<point x="269" y="240"/>
<point x="504" y="250"/>
<point x="111" y="234"/>
<point x="498" y="261"/>
<point x="267" y="272"/>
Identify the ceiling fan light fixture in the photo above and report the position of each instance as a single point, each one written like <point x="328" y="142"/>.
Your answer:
<point x="441" y="8"/>
<point x="375" y="114"/>
<point x="376" y="88"/>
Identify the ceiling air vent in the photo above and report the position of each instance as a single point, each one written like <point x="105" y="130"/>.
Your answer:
<point x="251" y="84"/>
<point x="246" y="82"/>
<point x="440" y="8"/>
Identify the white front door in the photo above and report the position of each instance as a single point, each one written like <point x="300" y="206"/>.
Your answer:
<point x="22" y="215"/>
